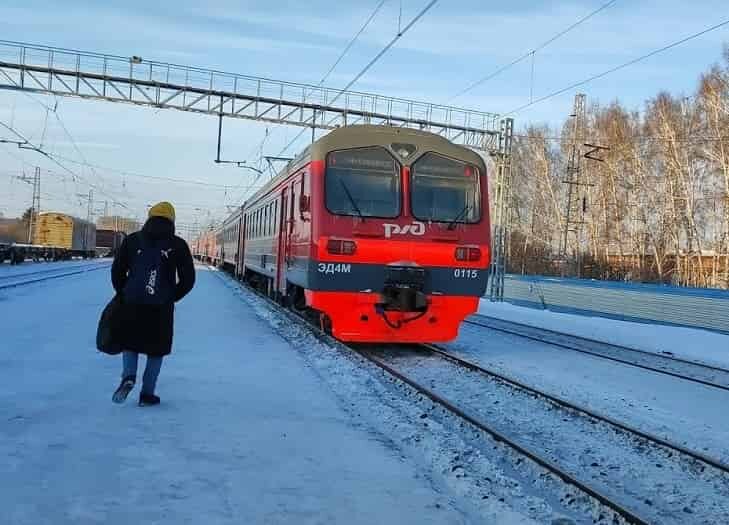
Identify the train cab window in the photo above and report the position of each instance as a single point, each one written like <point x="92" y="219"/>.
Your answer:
<point x="362" y="182"/>
<point x="445" y="190"/>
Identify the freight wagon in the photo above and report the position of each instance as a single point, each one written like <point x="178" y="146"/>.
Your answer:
<point x="108" y="241"/>
<point x="70" y="236"/>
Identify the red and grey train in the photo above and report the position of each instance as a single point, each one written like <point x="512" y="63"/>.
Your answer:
<point x="381" y="232"/>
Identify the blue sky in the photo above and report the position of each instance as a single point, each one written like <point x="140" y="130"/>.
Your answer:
<point x="456" y="43"/>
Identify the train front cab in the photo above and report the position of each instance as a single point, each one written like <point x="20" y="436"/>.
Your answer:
<point x="400" y="248"/>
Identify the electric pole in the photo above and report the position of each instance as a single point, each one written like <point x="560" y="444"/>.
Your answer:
<point x="576" y="201"/>
<point x="35" y="206"/>
<point x="502" y="192"/>
<point x="89" y="215"/>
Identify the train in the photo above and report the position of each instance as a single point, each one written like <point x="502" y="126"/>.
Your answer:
<point x="57" y="236"/>
<point x="74" y="237"/>
<point x="377" y="233"/>
<point x="108" y="242"/>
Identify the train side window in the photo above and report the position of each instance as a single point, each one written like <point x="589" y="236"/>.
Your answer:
<point x="265" y="222"/>
<point x="275" y="217"/>
<point x="302" y="197"/>
<point x="270" y="218"/>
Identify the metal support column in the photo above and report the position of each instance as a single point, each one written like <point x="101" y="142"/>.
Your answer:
<point x="502" y="191"/>
<point x="576" y="202"/>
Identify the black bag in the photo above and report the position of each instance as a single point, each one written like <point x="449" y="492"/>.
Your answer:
<point x="106" y="330"/>
<point x="149" y="274"/>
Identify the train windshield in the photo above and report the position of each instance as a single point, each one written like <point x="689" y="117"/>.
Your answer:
<point x="445" y="190"/>
<point x="364" y="182"/>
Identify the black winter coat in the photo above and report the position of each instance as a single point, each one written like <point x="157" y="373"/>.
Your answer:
<point x="148" y="329"/>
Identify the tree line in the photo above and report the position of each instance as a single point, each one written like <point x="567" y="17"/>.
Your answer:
<point x="654" y="209"/>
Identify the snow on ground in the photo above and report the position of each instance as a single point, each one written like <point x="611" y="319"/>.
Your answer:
<point x="492" y="477"/>
<point x="688" y="343"/>
<point x="247" y="432"/>
<point x="679" y="410"/>
<point x="656" y="483"/>
<point x="31" y="268"/>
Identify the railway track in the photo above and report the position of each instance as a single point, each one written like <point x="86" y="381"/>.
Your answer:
<point x="26" y="278"/>
<point x="692" y="472"/>
<point x="604" y="499"/>
<point x="712" y="376"/>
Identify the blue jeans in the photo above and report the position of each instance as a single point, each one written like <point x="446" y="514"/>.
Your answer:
<point x="151" y="371"/>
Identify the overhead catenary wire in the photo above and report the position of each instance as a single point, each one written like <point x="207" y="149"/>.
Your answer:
<point x="371" y="63"/>
<point x="531" y="52"/>
<point x="52" y="158"/>
<point x="618" y="67"/>
<point x="154" y="177"/>
<point x="323" y="79"/>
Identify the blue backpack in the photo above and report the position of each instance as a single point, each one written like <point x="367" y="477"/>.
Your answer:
<point x="150" y="268"/>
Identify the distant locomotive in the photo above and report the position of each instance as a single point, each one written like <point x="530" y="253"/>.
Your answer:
<point x="381" y="232"/>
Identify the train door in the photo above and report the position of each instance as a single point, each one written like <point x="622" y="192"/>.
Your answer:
<point x="283" y="242"/>
<point x="239" y="258"/>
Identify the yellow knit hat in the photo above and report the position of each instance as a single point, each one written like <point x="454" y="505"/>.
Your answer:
<point x="163" y="209"/>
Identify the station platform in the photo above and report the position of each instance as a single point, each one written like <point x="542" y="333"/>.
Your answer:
<point x="246" y="432"/>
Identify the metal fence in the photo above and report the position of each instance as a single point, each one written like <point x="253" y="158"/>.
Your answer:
<point x="688" y="307"/>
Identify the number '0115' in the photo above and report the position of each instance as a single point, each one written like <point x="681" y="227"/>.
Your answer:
<point x="465" y="273"/>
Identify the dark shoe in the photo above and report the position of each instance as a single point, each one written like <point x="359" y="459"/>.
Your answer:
<point x="121" y="393"/>
<point x="148" y="400"/>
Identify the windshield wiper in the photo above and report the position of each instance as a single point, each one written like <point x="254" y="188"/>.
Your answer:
<point x="351" y="199"/>
<point x="452" y="224"/>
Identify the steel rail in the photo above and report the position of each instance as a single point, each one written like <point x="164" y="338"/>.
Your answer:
<point x="49" y="277"/>
<point x="41" y="272"/>
<point x="610" y="346"/>
<point x="563" y="403"/>
<point x="627" y="514"/>
<point x="630" y="515"/>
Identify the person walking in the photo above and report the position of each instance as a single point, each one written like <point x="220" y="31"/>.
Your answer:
<point x="152" y="270"/>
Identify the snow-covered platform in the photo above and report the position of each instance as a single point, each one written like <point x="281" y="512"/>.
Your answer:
<point x="246" y="432"/>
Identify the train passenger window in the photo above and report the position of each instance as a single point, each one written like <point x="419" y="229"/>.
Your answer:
<point x="275" y="217"/>
<point x="362" y="182"/>
<point x="268" y="219"/>
<point x="445" y="190"/>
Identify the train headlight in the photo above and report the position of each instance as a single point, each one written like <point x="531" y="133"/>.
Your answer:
<point x="341" y="247"/>
<point x="468" y="253"/>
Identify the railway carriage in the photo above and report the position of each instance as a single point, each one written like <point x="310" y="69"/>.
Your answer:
<point x="381" y="232"/>
<point x="65" y="236"/>
<point x="205" y="247"/>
